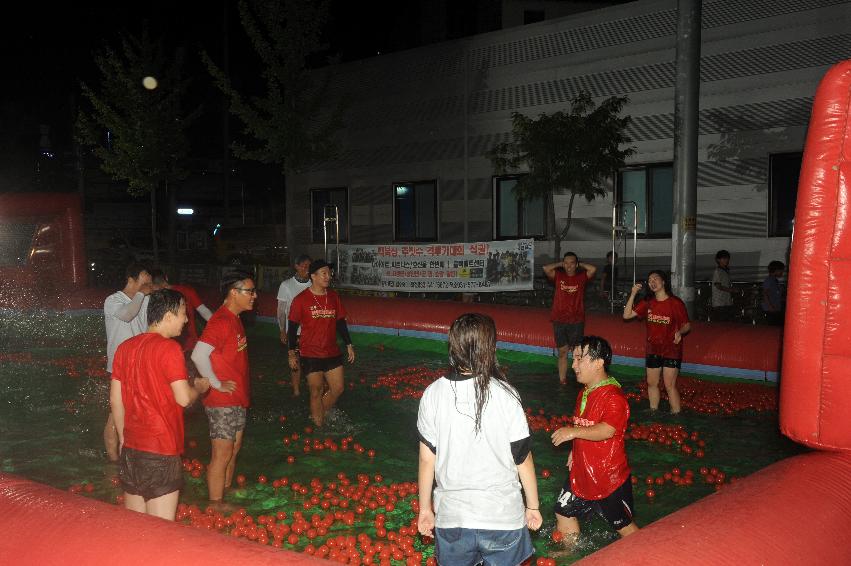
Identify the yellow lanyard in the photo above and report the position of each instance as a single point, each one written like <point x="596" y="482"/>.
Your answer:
<point x="588" y="390"/>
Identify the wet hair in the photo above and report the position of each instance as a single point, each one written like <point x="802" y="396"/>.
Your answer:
<point x="163" y="301"/>
<point x="665" y="281"/>
<point x="231" y="280"/>
<point x="472" y="350"/>
<point x="722" y="254"/>
<point x="301" y="259"/>
<point x="158" y="277"/>
<point x="134" y="270"/>
<point x="776" y="266"/>
<point x="566" y="254"/>
<point x="598" y="349"/>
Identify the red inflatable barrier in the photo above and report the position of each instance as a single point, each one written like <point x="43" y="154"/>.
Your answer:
<point x="815" y="392"/>
<point x="792" y="512"/>
<point x="42" y="525"/>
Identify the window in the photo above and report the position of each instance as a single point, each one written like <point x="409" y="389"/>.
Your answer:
<point x="651" y="188"/>
<point x="415" y="211"/>
<point x="322" y="201"/>
<point x="784" y="171"/>
<point x="517" y="218"/>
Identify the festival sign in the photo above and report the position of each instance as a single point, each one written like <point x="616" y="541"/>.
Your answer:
<point x="470" y="267"/>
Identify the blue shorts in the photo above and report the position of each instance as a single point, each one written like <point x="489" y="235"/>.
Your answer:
<point x="468" y="547"/>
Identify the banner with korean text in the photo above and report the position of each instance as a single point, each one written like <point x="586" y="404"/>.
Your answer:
<point x="470" y="267"/>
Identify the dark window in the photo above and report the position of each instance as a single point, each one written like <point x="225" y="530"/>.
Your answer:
<point x="322" y="202"/>
<point x="651" y="188"/>
<point x="785" y="169"/>
<point x="532" y="16"/>
<point x="517" y="218"/>
<point x="415" y="210"/>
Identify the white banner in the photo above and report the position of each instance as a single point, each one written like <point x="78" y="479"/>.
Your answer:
<point x="450" y="268"/>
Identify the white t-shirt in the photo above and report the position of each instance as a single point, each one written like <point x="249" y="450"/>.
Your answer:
<point x="286" y="293"/>
<point x="477" y="482"/>
<point x="721" y="298"/>
<point x="117" y="331"/>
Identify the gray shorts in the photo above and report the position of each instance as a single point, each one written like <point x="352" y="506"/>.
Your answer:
<point x="569" y="335"/>
<point x="225" y="422"/>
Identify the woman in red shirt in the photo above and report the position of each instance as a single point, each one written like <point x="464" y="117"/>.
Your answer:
<point x="319" y="313"/>
<point x="667" y="323"/>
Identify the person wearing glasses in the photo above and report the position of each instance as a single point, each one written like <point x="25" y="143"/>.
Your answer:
<point x="221" y="355"/>
<point x="319" y="314"/>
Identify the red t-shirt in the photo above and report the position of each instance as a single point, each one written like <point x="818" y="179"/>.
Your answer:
<point x="317" y="315"/>
<point x="599" y="468"/>
<point x="569" y="297"/>
<point x="664" y="318"/>
<point x="146" y="365"/>
<point x="189" y="336"/>
<point x="229" y="358"/>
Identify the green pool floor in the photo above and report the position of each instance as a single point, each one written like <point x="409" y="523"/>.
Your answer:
<point x="53" y="404"/>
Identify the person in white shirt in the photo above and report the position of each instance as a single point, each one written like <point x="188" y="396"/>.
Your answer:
<point x="475" y="443"/>
<point x="286" y="293"/>
<point x="125" y="316"/>
<point x="722" y="289"/>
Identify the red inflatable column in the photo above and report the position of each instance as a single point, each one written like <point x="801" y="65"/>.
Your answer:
<point x="815" y="391"/>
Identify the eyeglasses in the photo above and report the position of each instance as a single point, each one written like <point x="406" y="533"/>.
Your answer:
<point x="252" y="291"/>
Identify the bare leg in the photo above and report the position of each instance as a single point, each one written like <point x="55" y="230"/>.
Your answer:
<point x="110" y="439"/>
<point x="562" y="364"/>
<point x="219" y="460"/>
<point x="670" y="377"/>
<point x="569" y="527"/>
<point x="134" y="502"/>
<point x="653" y="375"/>
<point x="316" y="383"/>
<point x="334" y="378"/>
<point x="164" y="506"/>
<point x="232" y="463"/>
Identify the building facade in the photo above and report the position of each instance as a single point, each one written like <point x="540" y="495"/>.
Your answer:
<point x="412" y="163"/>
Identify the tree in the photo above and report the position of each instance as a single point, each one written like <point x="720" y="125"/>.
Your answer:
<point x="574" y="152"/>
<point x="293" y="123"/>
<point x="135" y="125"/>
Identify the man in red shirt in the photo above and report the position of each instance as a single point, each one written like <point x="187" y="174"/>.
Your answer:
<point x="148" y="391"/>
<point x="600" y="479"/>
<point x="568" y="312"/>
<point x="222" y="356"/>
<point x="189" y="337"/>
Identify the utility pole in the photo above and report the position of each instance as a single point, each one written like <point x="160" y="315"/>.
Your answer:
<point x="686" y="106"/>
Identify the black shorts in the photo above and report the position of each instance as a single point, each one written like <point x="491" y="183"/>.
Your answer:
<point x="316" y="365"/>
<point x="616" y="509"/>
<point x="149" y="475"/>
<point x="568" y="334"/>
<point x="656" y="361"/>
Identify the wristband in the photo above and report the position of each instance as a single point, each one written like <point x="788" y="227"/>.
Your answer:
<point x="533" y="508"/>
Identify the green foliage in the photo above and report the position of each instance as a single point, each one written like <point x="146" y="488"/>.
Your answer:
<point x="573" y="152"/>
<point x="148" y="144"/>
<point x="293" y="123"/>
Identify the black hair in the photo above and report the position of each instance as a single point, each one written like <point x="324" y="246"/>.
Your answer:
<point x="472" y="350"/>
<point x="161" y="302"/>
<point x="158" y="277"/>
<point x="665" y="281"/>
<point x="776" y="266"/>
<point x="609" y="254"/>
<point x="722" y="254"/>
<point x="598" y="349"/>
<point x="302" y="258"/>
<point x="134" y="270"/>
<point x="231" y="279"/>
<point x="566" y="254"/>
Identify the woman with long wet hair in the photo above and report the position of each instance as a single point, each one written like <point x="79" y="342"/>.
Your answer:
<point x="475" y="443"/>
<point x="667" y="323"/>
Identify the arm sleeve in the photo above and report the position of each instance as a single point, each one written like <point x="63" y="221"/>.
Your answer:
<point x="204" y="312"/>
<point x="616" y="413"/>
<point x="128" y="312"/>
<point x="292" y="335"/>
<point x="518" y="430"/>
<point x="343" y="331"/>
<point x="201" y="357"/>
<point x="283" y="307"/>
<point x="426" y="420"/>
